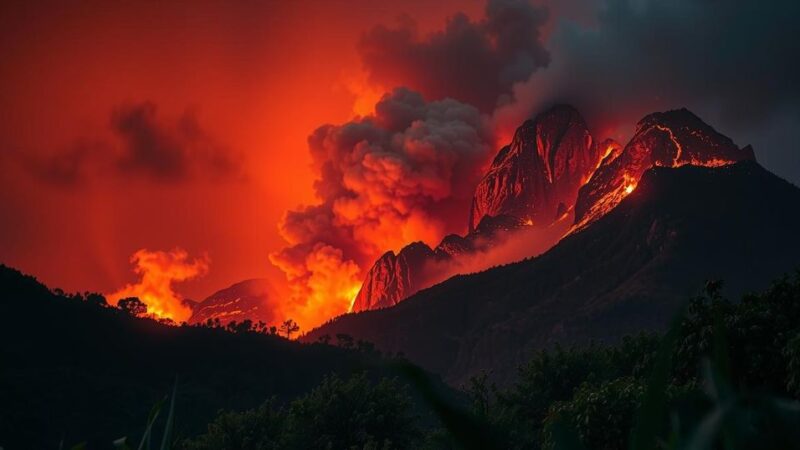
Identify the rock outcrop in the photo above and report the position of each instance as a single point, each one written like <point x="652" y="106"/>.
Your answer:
<point x="394" y="277"/>
<point x="536" y="178"/>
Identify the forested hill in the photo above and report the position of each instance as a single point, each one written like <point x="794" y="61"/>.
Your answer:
<point x="76" y="370"/>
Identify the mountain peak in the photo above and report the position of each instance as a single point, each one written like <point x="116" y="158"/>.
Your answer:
<point x="663" y="139"/>
<point x="537" y="176"/>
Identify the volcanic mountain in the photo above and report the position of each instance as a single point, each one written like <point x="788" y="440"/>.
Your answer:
<point x="244" y="300"/>
<point x="667" y="139"/>
<point x="534" y="181"/>
<point x="552" y="172"/>
<point x="629" y="270"/>
<point x="536" y="178"/>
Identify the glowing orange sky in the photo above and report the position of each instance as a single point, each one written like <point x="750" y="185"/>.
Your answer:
<point x="227" y="94"/>
<point x="259" y="78"/>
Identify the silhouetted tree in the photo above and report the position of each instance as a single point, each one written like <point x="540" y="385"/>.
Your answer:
<point x="132" y="306"/>
<point x="288" y="327"/>
<point x="96" y="299"/>
<point x="244" y="326"/>
<point x="324" y="339"/>
<point x="344" y="340"/>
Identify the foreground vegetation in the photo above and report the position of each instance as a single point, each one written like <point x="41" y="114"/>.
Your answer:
<point x="726" y="375"/>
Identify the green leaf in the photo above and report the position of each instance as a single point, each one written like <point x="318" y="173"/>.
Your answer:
<point x="170" y="418"/>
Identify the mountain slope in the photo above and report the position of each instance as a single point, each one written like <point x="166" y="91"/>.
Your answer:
<point x="628" y="271"/>
<point x="247" y="299"/>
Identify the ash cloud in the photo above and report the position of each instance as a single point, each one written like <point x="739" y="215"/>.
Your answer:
<point x="473" y="61"/>
<point x="146" y="146"/>
<point x="403" y="174"/>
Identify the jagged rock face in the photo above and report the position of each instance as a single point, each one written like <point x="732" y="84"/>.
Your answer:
<point x="667" y="139"/>
<point x="244" y="300"/>
<point x="536" y="178"/>
<point x="394" y="277"/>
<point x="453" y="246"/>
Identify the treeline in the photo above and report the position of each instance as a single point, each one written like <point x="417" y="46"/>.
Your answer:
<point x="726" y="375"/>
<point x="73" y="369"/>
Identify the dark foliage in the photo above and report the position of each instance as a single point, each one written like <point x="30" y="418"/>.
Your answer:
<point x="339" y="413"/>
<point x="74" y="369"/>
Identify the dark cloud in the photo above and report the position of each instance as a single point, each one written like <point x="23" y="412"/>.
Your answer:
<point x="404" y="174"/>
<point x="474" y="62"/>
<point x="146" y="146"/>
<point x="70" y="167"/>
<point x="734" y="63"/>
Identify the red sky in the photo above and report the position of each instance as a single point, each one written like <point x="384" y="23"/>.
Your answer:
<point x="259" y="77"/>
<point x="183" y="126"/>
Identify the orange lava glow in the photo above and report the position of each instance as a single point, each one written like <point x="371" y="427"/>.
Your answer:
<point x="158" y="271"/>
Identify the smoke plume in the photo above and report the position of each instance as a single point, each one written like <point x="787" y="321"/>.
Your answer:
<point x="404" y="174"/>
<point x="731" y="62"/>
<point x="144" y="145"/>
<point x="472" y="61"/>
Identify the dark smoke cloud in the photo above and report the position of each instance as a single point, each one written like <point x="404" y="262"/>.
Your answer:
<point x="474" y="62"/>
<point x="733" y="63"/>
<point x="404" y="174"/>
<point x="147" y="146"/>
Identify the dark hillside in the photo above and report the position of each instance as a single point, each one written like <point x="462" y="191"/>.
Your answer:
<point x="627" y="272"/>
<point x="74" y="370"/>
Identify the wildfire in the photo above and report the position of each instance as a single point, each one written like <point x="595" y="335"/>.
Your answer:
<point x="629" y="188"/>
<point x="158" y="270"/>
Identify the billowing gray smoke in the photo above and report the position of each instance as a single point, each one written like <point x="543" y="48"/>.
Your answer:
<point x="404" y="174"/>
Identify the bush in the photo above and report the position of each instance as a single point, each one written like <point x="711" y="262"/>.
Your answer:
<point x="337" y="414"/>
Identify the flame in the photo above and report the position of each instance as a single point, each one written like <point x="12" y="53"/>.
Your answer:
<point x="529" y="222"/>
<point x="629" y="188"/>
<point x="158" y="270"/>
<point x="323" y="286"/>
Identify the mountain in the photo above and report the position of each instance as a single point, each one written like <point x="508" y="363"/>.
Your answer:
<point x="665" y="139"/>
<point x="629" y="270"/>
<point x="532" y="182"/>
<point x="244" y="300"/>
<point x="552" y="170"/>
<point x="536" y="178"/>
<point x="393" y="278"/>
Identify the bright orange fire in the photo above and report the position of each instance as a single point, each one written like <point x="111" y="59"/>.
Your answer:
<point x="158" y="270"/>
<point x="323" y="287"/>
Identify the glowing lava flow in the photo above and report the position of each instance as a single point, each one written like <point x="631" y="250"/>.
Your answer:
<point x="678" y="148"/>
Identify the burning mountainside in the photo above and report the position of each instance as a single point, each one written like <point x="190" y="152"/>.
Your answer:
<point x="668" y="139"/>
<point x="552" y="174"/>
